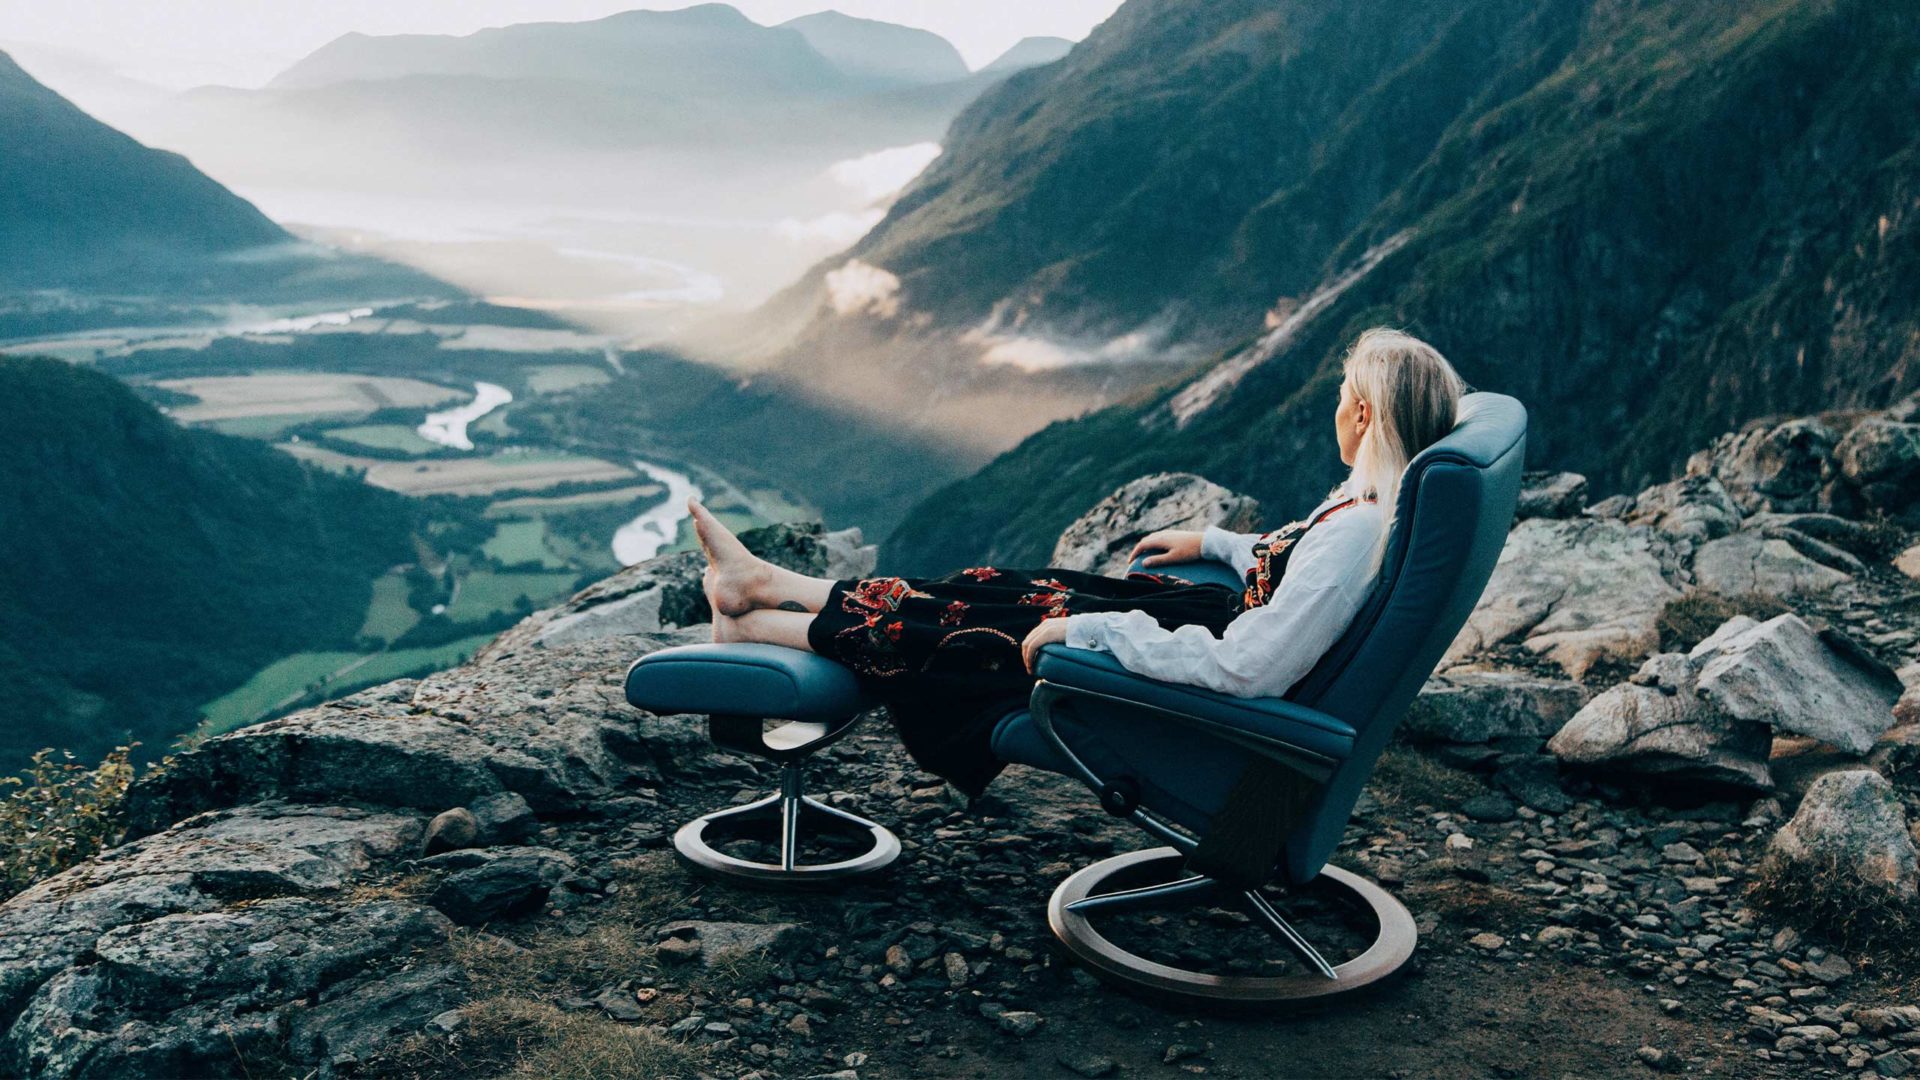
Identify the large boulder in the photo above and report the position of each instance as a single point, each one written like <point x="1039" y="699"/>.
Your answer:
<point x="1771" y="466"/>
<point x="1551" y="495"/>
<point x="1850" y="835"/>
<point x="1880" y="457"/>
<point x="1655" y="726"/>
<point x="1694" y="508"/>
<point x="1468" y="705"/>
<point x="664" y="592"/>
<point x="1581" y="592"/>
<point x="1098" y="543"/>
<point x="1787" y="675"/>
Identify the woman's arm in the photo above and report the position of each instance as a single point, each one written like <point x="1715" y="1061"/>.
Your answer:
<point x="1234" y="549"/>
<point x="1267" y="649"/>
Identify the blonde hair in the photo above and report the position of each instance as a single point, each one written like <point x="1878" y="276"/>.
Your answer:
<point x="1414" y="398"/>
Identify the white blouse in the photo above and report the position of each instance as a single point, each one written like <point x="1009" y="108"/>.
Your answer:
<point x="1265" y="650"/>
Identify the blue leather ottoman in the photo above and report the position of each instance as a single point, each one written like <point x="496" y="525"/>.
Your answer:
<point x="811" y="704"/>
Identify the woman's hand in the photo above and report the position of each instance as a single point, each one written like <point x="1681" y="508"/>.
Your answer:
<point x="1173" y="545"/>
<point x="1049" y="632"/>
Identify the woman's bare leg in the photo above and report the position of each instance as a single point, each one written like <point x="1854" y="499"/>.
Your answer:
<point x="738" y="581"/>
<point x="767" y="626"/>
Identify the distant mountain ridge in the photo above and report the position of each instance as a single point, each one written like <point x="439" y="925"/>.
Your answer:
<point x="883" y="51"/>
<point x="1649" y="222"/>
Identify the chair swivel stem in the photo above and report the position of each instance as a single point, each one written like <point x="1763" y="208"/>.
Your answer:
<point x="1145" y="894"/>
<point x="790" y="798"/>
<point x="1279" y="925"/>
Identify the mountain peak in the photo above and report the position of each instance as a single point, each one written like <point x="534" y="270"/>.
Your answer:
<point x="1029" y="52"/>
<point x="884" y="51"/>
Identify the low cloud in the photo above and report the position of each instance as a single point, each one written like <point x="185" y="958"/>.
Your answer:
<point x="883" y="172"/>
<point x="1035" y="353"/>
<point x="861" y="288"/>
<point x="837" y="230"/>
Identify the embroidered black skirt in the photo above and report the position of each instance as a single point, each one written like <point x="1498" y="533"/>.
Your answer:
<point x="944" y="653"/>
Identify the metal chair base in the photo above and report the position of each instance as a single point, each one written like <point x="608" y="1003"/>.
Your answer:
<point x="784" y="814"/>
<point x="1092" y="889"/>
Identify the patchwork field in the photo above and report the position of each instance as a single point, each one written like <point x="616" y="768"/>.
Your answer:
<point x="385" y="437"/>
<point x="508" y="471"/>
<point x="228" y="397"/>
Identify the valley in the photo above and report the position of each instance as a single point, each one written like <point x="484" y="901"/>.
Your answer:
<point x="421" y="400"/>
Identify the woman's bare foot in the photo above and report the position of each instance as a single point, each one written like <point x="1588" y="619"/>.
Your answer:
<point x="735" y="577"/>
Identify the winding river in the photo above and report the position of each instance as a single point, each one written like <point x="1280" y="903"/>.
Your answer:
<point x="449" y="428"/>
<point x="643" y="537"/>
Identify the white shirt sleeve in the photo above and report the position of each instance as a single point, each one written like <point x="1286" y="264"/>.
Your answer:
<point x="1234" y="549"/>
<point x="1268" y="648"/>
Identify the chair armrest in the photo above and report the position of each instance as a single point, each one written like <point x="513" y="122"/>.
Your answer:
<point x="1274" y="727"/>
<point x="1199" y="571"/>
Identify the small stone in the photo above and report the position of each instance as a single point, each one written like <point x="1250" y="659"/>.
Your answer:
<point x="1488" y="941"/>
<point x="618" y="1004"/>
<point x="450" y="830"/>
<point x="957" y="971"/>
<point x="678" y="950"/>
<point x="1459" y="842"/>
<point x="801" y="1026"/>
<point x="1893" y="1063"/>
<point x="448" y="1022"/>
<point x="1492" y="808"/>
<point x="1086" y="1063"/>
<point x="899" y="961"/>
<point x="1556" y="935"/>
<point x="1020" y="1022"/>
<point x="1828" y="969"/>
<point x="1657" y="1059"/>
<point x="1183" y="1051"/>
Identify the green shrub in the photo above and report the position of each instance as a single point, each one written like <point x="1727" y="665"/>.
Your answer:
<point x="59" y="813"/>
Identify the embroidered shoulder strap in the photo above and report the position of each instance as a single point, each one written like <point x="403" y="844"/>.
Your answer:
<point x="1271" y="552"/>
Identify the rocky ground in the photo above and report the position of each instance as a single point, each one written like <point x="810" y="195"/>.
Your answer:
<point x="1653" y="817"/>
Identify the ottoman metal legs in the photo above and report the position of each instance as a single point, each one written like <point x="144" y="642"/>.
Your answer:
<point x="1143" y="879"/>
<point x="785" y="817"/>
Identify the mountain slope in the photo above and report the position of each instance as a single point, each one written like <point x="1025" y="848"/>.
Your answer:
<point x="881" y="51"/>
<point x="1028" y="52"/>
<point x="1651" y="223"/>
<point x="84" y="206"/>
<point x="77" y="194"/>
<point x="145" y="569"/>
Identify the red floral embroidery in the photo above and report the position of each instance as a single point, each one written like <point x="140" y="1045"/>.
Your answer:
<point x="1050" y="583"/>
<point x="981" y="573"/>
<point x="955" y="612"/>
<point x="895" y="629"/>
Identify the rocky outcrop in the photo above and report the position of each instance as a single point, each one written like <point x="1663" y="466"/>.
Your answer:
<point x="1656" y="726"/>
<point x="1579" y="592"/>
<point x="1771" y="466"/>
<point x="1880" y="457"/>
<point x="1098" y="543"/>
<point x="1850" y="833"/>
<point x="1756" y="561"/>
<point x="1551" y="495"/>
<point x="1784" y="674"/>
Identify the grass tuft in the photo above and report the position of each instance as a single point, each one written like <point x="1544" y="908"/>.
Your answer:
<point x="1404" y="778"/>
<point x="1688" y="620"/>
<point x="1829" y="899"/>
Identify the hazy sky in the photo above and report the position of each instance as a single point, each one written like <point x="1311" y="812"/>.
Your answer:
<point x="180" y="43"/>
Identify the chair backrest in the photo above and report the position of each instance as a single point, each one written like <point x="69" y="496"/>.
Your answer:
<point x="1455" y="507"/>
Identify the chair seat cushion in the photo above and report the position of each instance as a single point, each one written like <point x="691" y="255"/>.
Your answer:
<point x="765" y="681"/>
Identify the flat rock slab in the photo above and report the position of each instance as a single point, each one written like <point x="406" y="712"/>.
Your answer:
<point x="1755" y="562"/>
<point x="1580" y="592"/>
<point x="1788" y="676"/>
<point x="725" y="942"/>
<point x="1474" y="706"/>
<point x="189" y="994"/>
<point x="496" y="883"/>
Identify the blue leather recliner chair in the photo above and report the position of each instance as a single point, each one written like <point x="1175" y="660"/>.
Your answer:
<point x="1249" y="796"/>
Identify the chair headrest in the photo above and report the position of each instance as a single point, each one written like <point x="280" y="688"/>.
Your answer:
<point x="1488" y="426"/>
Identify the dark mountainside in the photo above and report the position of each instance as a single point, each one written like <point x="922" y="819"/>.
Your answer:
<point x="84" y="205"/>
<point x="1029" y="52"/>
<point x="1651" y="223"/>
<point x="145" y="568"/>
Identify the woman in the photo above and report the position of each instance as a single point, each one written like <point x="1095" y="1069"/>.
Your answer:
<point x="950" y="656"/>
